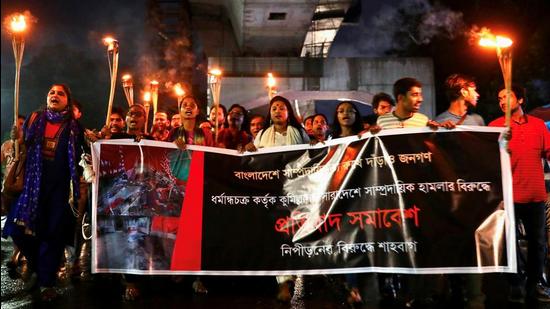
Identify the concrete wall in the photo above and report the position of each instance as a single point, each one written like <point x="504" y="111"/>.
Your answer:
<point x="369" y="75"/>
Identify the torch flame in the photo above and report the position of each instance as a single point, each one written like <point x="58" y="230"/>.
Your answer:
<point x="215" y="72"/>
<point x="111" y="43"/>
<point x="179" y="90"/>
<point x="147" y="96"/>
<point x="271" y="82"/>
<point x="154" y="83"/>
<point x="18" y="23"/>
<point x="487" y="39"/>
<point x="126" y="77"/>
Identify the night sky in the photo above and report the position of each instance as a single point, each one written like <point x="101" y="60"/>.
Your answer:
<point x="65" y="46"/>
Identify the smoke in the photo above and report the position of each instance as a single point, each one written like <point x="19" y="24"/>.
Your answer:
<point x="169" y="57"/>
<point x="396" y="27"/>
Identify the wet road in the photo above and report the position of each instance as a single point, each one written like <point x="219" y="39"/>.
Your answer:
<point x="105" y="291"/>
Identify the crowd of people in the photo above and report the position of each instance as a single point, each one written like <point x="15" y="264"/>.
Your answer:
<point x="42" y="219"/>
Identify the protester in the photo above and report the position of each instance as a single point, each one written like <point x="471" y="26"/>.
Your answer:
<point x="190" y="133"/>
<point x="8" y="159"/>
<point x="220" y="114"/>
<point x="116" y="120"/>
<point x="160" y="130"/>
<point x="528" y="144"/>
<point x="235" y="136"/>
<point x="462" y="95"/>
<point x="408" y="93"/>
<point x="42" y="222"/>
<point x="70" y="264"/>
<point x="308" y="125"/>
<point x="319" y="128"/>
<point x="382" y="103"/>
<point x="256" y="124"/>
<point x="283" y="129"/>
<point x="175" y="121"/>
<point x="348" y="122"/>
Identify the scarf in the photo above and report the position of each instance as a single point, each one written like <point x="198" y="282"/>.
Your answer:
<point x="293" y="137"/>
<point x="26" y="208"/>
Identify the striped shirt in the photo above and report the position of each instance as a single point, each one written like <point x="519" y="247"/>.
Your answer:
<point x="390" y="121"/>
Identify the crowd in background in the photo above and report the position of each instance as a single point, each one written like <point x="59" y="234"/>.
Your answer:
<point x="43" y="218"/>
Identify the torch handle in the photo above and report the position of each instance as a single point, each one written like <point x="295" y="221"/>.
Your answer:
<point x="18" y="45"/>
<point x="113" y="85"/>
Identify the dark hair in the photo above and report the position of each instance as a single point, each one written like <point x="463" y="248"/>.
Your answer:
<point x="21" y="117"/>
<point x="256" y="116"/>
<point x="519" y="92"/>
<point x="381" y="96"/>
<point x="319" y="114"/>
<point x="67" y="93"/>
<point x="224" y="109"/>
<point x="401" y="86"/>
<point x="307" y="118"/>
<point x="245" y="126"/>
<point x="356" y="127"/>
<point x="292" y="120"/>
<point x="455" y="83"/>
<point x="78" y="105"/>
<point x="140" y="106"/>
<point x="119" y="111"/>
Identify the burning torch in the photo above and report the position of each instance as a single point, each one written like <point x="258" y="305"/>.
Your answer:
<point x="147" y="105"/>
<point x="16" y="24"/>
<point x="112" y="51"/>
<point x="215" y="84"/>
<point x="271" y="86"/>
<point x="128" y="86"/>
<point x="154" y="88"/>
<point x="504" y="55"/>
<point x="180" y="93"/>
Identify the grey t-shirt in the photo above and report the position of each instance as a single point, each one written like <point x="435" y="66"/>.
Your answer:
<point x="470" y="120"/>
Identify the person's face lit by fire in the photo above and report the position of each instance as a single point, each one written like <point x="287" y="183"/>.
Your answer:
<point x="135" y="119"/>
<point x="256" y="124"/>
<point x="412" y="100"/>
<point x="57" y="99"/>
<point x="470" y="95"/>
<point x="235" y="117"/>
<point x="279" y="113"/>
<point x="76" y="112"/>
<point x="221" y="117"/>
<point x="116" y="123"/>
<point x="346" y="115"/>
<point x="160" y="121"/>
<point x="514" y="102"/>
<point x="189" y="109"/>
<point x="175" y="122"/>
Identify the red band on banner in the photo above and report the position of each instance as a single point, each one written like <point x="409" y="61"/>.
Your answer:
<point x="187" y="249"/>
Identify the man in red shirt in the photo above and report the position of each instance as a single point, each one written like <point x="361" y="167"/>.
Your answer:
<point x="529" y="144"/>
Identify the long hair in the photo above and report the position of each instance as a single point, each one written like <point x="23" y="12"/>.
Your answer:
<point x="69" y="98"/>
<point x="199" y="134"/>
<point x="292" y="120"/>
<point x="357" y="125"/>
